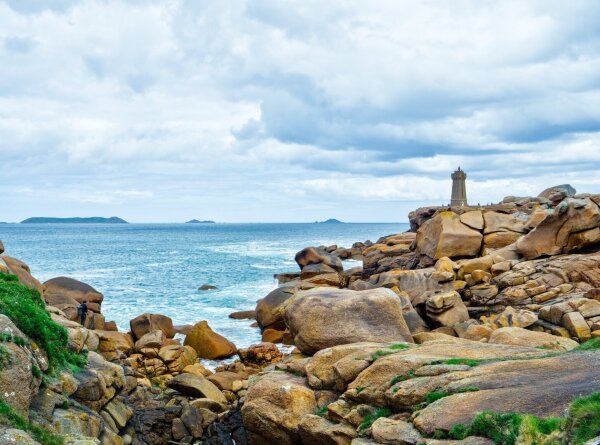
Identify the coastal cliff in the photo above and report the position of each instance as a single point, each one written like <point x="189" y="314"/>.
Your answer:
<point x="481" y="325"/>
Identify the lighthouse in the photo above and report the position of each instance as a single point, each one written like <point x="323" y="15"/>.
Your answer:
<point x="459" y="189"/>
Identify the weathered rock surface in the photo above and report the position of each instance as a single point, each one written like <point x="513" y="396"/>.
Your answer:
<point x="314" y="255"/>
<point x="321" y="318"/>
<point x="145" y="323"/>
<point x="275" y="405"/>
<point x="208" y="344"/>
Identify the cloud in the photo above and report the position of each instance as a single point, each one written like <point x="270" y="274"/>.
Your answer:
<point x="263" y="110"/>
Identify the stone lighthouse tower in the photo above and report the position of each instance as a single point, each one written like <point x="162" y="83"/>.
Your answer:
<point x="459" y="189"/>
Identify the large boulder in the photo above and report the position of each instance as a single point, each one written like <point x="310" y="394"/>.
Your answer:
<point x="208" y="344"/>
<point x="574" y="225"/>
<point x="60" y="290"/>
<point x="22" y="271"/>
<point x="523" y="337"/>
<point x="543" y="387"/>
<point x="275" y="405"/>
<point x="193" y="385"/>
<point x="269" y="310"/>
<point x="323" y="317"/>
<point x="446" y="236"/>
<point x="142" y="324"/>
<point x="314" y="255"/>
<point x="557" y="193"/>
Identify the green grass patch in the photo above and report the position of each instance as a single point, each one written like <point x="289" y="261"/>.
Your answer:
<point x="12" y="418"/>
<point x="458" y="361"/>
<point x="435" y="396"/>
<point x="370" y="418"/>
<point x="380" y="353"/>
<point x="321" y="411"/>
<point x="398" y="346"/>
<point x="5" y="358"/>
<point x="360" y="389"/>
<point x="397" y="379"/>
<point x="583" y="419"/>
<point x="27" y="311"/>
<point x="590" y="345"/>
<point x="468" y="389"/>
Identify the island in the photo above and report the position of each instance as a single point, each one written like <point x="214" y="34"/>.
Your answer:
<point x="77" y="220"/>
<point x="195" y="221"/>
<point x="330" y="221"/>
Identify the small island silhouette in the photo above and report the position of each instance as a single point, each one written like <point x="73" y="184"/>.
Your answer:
<point x="195" y="221"/>
<point x="76" y="220"/>
<point x="330" y="221"/>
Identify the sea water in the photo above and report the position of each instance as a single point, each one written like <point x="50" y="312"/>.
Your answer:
<point x="158" y="268"/>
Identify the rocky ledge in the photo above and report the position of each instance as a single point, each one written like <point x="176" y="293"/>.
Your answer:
<point x="481" y="325"/>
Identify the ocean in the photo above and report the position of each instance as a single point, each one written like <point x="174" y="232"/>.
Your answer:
<point x="158" y="268"/>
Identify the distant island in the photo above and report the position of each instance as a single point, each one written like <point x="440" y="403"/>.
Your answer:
<point x="195" y="221"/>
<point x="330" y="221"/>
<point x="91" y="220"/>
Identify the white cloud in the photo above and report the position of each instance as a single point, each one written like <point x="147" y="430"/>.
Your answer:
<point x="262" y="110"/>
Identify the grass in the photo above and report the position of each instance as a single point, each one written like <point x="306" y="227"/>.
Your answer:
<point x="321" y="411"/>
<point x="397" y="379"/>
<point x="590" y="345"/>
<point x="458" y="361"/>
<point x="10" y="417"/>
<point x="581" y="424"/>
<point x="360" y="389"/>
<point x="370" y="418"/>
<point x="389" y="350"/>
<point x="435" y="396"/>
<point x="27" y="311"/>
<point x="398" y="346"/>
<point x="5" y="358"/>
<point x="583" y="419"/>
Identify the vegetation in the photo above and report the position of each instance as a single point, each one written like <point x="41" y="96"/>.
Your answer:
<point x="435" y="396"/>
<point x="370" y="418"/>
<point x="321" y="411"/>
<point x="583" y="420"/>
<point x="458" y="361"/>
<point x="26" y="309"/>
<point x="389" y="350"/>
<point x="590" y="345"/>
<point x="581" y="424"/>
<point x="10" y="417"/>
<point x="399" y="346"/>
<point x="360" y="389"/>
<point x="4" y="357"/>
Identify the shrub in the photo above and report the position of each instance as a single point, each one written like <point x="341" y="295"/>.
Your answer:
<point x="10" y="417"/>
<point x="583" y="419"/>
<point x="26" y="309"/>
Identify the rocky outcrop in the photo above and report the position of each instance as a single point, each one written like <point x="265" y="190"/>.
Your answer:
<point x="209" y="344"/>
<point x="321" y="318"/>
<point x="145" y="323"/>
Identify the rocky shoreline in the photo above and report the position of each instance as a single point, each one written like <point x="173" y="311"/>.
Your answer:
<point x="481" y="325"/>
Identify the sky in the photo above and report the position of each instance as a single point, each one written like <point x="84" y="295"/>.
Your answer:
<point x="291" y="111"/>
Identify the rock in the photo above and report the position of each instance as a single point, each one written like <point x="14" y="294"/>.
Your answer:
<point x="572" y="226"/>
<point x="323" y="317"/>
<point x="557" y="193"/>
<point x="243" y="315"/>
<point x="208" y="344"/>
<point x="313" y="255"/>
<point x="390" y="431"/>
<point x="501" y="222"/>
<point x="205" y="287"/>
<point x="477" y="332"/>
<point x="546" y="387"/>
<point x="113" y="344"/>
<point x="22" y="271"/>
<point x="1" y="247"/>
<point x="98" y="382"/>
<point x="208" y="404"/>
<point x="473" y="219"/>
<point x="142" y="324"/>
<point x="269" y="310"/>
<point x="196" y="386"/>
<point x="153" y="339"/>
<point x="261" y="354"/>
<point x="577" y="326"/>
<point x="225" y="380"/>
<point x="446" y="309"/>
<point x="275" y="405"/>
<point x="17" y="384"/>
<point x="62" y="289"/>
<point x="192" y="419"/>
<point x="497" y="240"/>
<point x="510" y="317"/>
<point x="197" y="369"/>
<point x="15" y="436"/>
<point x="316" y="430"/>
<point x="445" y="236"/>
<point x="77" y="423"/>
<point x="272" y="336"/>
<point x="118" y="412"/>
<point x="522" y="337"/>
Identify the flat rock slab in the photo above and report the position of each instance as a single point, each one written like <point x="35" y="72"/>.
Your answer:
<point x="543" y="387"/>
